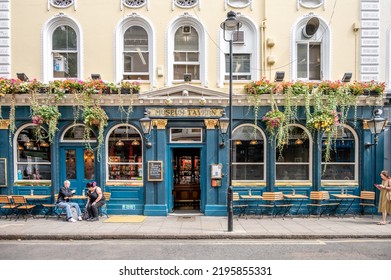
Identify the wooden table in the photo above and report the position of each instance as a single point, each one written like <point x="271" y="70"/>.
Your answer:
<point x="300" y="197"/>
<point x="248" y="198"/>
<point x="346" y="198"/>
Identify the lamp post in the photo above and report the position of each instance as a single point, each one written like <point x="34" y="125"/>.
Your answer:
<point x="230" y="25"/>
<point x="146" y="126"/>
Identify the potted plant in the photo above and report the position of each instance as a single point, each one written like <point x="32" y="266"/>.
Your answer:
<point x="94" y="116"/>
<point x="273" y="120"/>
<point x="130" y="87"/>
<point x="45" y="114"/>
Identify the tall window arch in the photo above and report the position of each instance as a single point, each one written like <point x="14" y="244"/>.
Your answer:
<point x="124" y="154"/>
<point x="32" y="158"/>
<point x="248" y="154"/>
<point x="293" y="162"/>
<point x="134" y="52"/>
<point x="186" y="51"/>
<point x="311" y="53"/>
<point x="76" y="134"/>
<point x="343" y="162"/>
<point x="62" y="47"/>
<point x="245" y="54"/>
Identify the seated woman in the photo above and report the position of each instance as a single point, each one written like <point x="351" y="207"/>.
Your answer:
<point x="95" y="200"/>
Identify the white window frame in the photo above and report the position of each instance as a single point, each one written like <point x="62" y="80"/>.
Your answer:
<point x="189" y="142"/>
<point x="251" y="46"/>
<point x="47" y="59"/>
<point x="170" y="36"/>
<point x="253" y="163"/>
<point x="134" y="20"/>
<point x="15" y="156"/>
<point x="76" y="141"/>
<point x="322" y="36"/>
<point x="310" y="159"/>
<point x="232" y="4"/>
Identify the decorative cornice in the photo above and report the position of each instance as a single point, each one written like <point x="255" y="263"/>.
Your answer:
<point x="211" y="123"/>
<point x="4" y="124"/>
<point x="159" y="123"/>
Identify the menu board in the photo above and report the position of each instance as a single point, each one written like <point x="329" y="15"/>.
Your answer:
<point x="3" y="172"/>
<point x="155" y="171"/>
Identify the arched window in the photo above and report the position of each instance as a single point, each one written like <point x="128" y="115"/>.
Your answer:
<point x="136" y="55"/>
<point x="64" y="52"/>
<point x="311" y="3"/>
<point x="61" y="49"/>
<point x="76" y="133"/>
<point x="343" y="164"/>
<point x="32" y="157"/>
<point x="125" y="158"/>
<point x="293" y="162"/>
<point x="238" y="3"/>
<point x="248" y="154"/>
<point x="245" y="53"/>
<point x="311" y="50"/>
<point x="186" y="53"/>
<point x="61" y="3"/>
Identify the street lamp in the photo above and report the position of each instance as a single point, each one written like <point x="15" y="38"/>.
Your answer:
<point x="146" y="126"/>
<point x="230" y="28"/>
<point x="376" y="125"/>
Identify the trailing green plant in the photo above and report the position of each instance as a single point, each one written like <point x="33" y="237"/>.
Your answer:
<point x="45" y="114"/>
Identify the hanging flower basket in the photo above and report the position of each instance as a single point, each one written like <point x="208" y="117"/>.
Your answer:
<point x="273" y="119"/>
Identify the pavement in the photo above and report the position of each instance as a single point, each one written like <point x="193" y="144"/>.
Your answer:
<point x="187" y="226"/>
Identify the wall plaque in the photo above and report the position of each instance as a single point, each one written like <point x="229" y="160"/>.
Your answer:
<point x="155" y="171"/>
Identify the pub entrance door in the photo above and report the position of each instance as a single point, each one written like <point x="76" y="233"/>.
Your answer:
<point x="186" y="185"/>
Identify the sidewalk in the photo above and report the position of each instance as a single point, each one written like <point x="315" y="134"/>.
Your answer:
<point x="197" y="227"/>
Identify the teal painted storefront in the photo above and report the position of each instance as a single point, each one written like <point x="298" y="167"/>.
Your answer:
<point x="155" y="198"/>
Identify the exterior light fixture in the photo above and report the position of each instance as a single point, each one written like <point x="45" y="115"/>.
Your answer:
<point x="230" y="27"/>
<point x="95" y="76"/>
<point x="22" y="76"/>
<point x="347" y="77"/>
<point x="279" y="77"/>
<point x="376" y="125"/>
<point x="223" y="127"/>
<point x="146" y="126"/>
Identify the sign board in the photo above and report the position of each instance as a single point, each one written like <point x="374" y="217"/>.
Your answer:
<point x="155" y="171"/>
<point x="216" y="171"/>
<point x="3" y="172"/>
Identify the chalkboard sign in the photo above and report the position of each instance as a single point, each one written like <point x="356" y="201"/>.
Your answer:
<point x="155" y="171"/>
<point x="3" y="172"/>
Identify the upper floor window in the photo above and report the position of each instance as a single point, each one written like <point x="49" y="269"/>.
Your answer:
<point x="342" y="165"/>
<point x="241" y="66"/>
<point x="32" y="157"/>
<point x="136" y="54"/>
<point x="62" y="3"/>
<point x="311" y="48"/>
<point x="238" y="3"/>
<point x="186" y="53"/>
<point x="65" y="52"/>
<point x="186" y="3"/>
<point x="124" y="154"/>
<point x="134" y="3"/>
<point x="293" y="162"/>
<point x="248" y="154"/>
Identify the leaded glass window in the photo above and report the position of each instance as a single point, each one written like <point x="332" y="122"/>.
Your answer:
<point x="134" y="3"/>
<point x="62" y="3"/>
<point x="186" y="3"/>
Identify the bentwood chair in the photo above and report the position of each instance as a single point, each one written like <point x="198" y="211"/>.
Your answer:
<point x="23" y="208"/>
<point x="367" y="200"/>
<point x="7" y="206"/>
<point x="103" y="209"/>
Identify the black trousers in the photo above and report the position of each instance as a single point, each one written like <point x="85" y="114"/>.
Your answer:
<point x="93" y="209"/>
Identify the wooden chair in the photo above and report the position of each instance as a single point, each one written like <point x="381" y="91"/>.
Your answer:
<point x="275" y="202"/>
<point x="23" y="208"/>
<point x="320" y="200"/>
<point x="367" y="199"/>
<point x="238" y="206"/>
<point x="7" y="206"/>
<point x="103" y="209"/>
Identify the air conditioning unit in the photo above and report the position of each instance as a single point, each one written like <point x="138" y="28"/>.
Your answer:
<point x="238" y="37"/>
<point x="186" y="30"/>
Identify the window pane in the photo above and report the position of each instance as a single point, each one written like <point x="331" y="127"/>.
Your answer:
<point x="240" y="63"/>
<point x="89" y="171"/>
<point x="315" y="62"/>
<point x="186" y="39"/>
<point x="338" y="172"/>
<point x="75" y="133"/>
<point x="180" y="70"/>
<point x="136" y="62"/>
<point x="64" y="65"/>
<point x="297" y="148"/>
<point x="186" y="56"/>
<point x="135" y="39"/>
<point x="248" y="172"/>
<point x="302" y="61"/>
<point x="34" y="171"/>
<point x="292" y="172"/>
<point x="30" y="150"/>
<point x="125" y="154"/>
<point x="70" y="164"/>
<point x="186" y="135"/>
<point x="64" y="39"/>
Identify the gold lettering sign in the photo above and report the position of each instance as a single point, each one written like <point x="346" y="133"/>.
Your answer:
<point x="185" y="112"/>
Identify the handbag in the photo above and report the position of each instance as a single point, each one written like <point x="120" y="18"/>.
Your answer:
<point x="85" y="215"/>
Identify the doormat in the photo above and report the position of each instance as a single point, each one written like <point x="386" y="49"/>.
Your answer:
<point x="125" y="219"/>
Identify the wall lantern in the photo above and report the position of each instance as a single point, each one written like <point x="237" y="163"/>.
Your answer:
<point x="346" y="77"/>
<point x="376" y="125"/>
<point x="223" y="127"/>
<point x="279" y="77"/>
<point x="95" y="76"/>
<point x="146" y="126"/>
<point x="22" y="76"/>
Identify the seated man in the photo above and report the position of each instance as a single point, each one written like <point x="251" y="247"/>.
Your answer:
<point x="63" y="202"/>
